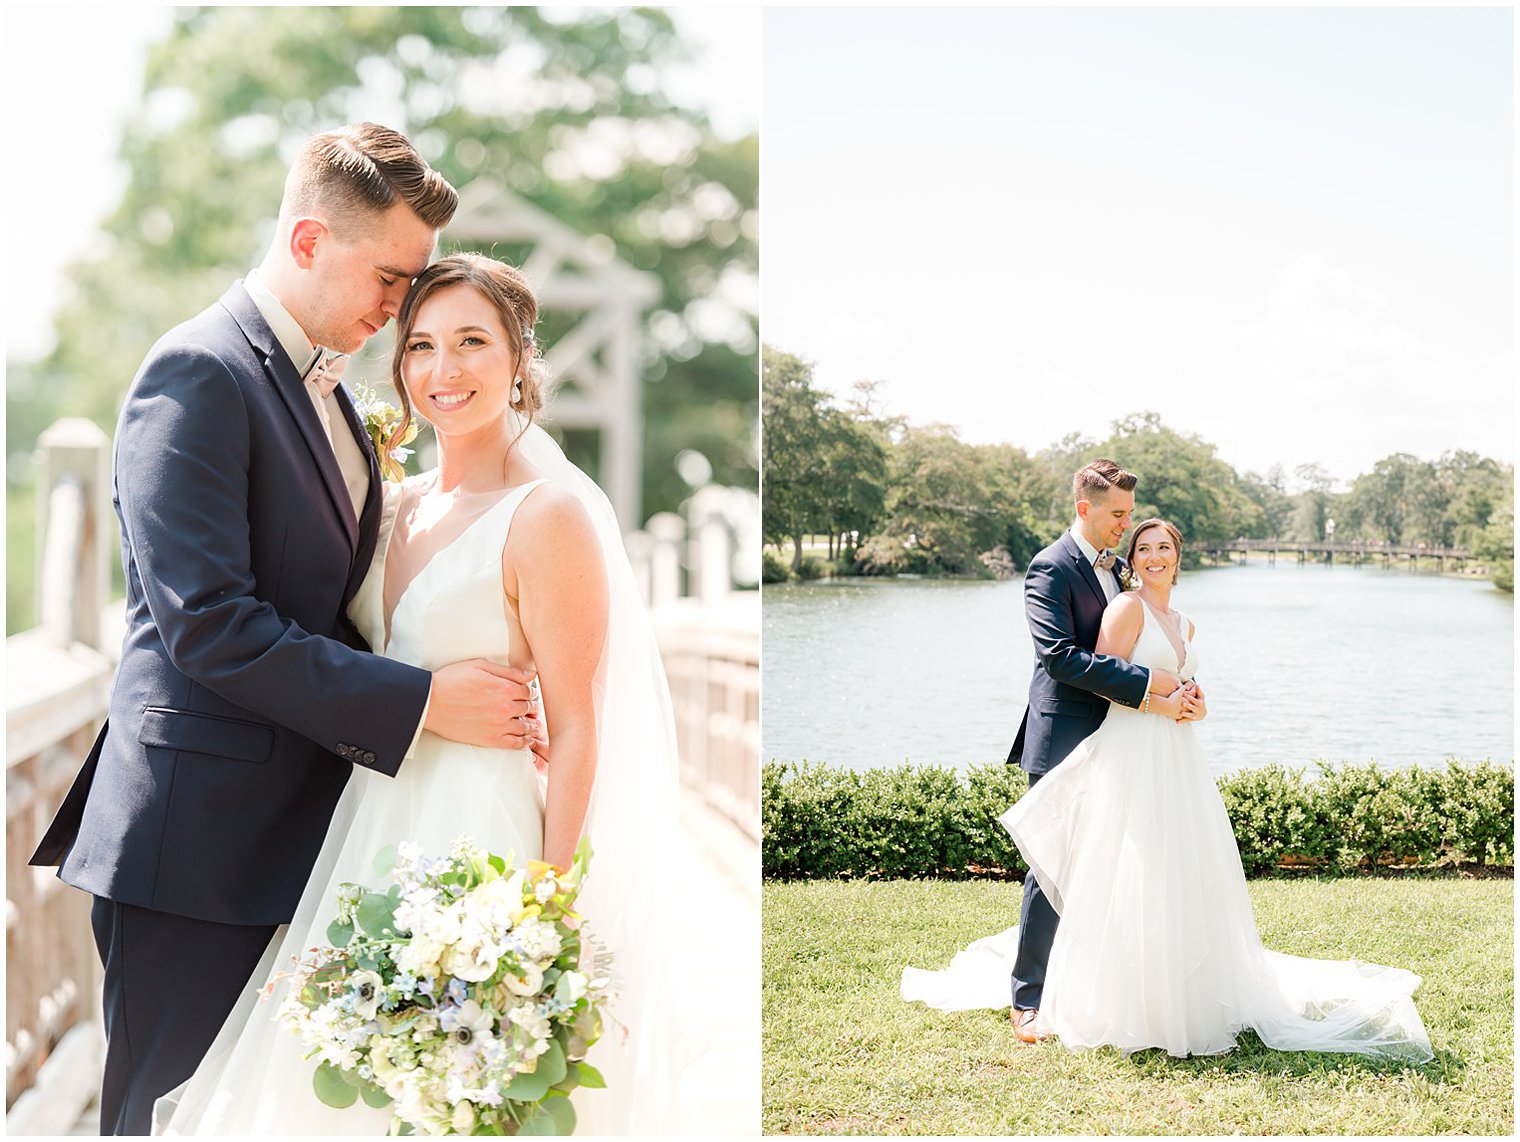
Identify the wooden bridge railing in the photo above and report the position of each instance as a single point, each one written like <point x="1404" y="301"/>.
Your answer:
<point x="59" y="683"/>
<point x="709" y="636"/>
<point x="1360" y="550"/>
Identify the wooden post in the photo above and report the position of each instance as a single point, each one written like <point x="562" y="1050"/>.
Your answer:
<point x="667" y="530"/>
<point x="709" y="548"/>
<point x="74" y="541"/>
<point x="55" y="698"/>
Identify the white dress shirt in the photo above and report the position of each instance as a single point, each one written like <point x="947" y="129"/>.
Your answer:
<point x="299" y="348"/>
<point x="1106" y="578"/>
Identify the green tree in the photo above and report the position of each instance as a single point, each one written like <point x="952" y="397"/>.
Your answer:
<point x="1182" y="480"/>
<point x="571" y="114"/>
<point x="1496" y="542"/>
<point x="1393" y="499"/>
<point x="852" y="496"/>
<point x="1270" y="495"/>
<point x="1022" y="487"/>
<point x="794" y="461"/>
<point x="1313" y="504"/>
<point x="1474" y="487"/>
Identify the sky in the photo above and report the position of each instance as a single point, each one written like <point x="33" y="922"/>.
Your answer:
<point x="1289" y="231"/>
<point x="84" y="64"/>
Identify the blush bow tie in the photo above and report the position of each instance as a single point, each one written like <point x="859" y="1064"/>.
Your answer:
<point x="325" y="369"/>
<point x="1104" y="561"/>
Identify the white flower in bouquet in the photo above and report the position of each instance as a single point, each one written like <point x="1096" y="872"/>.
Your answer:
<point x="366" y="986"/>
<point x="456" y="996"/>
<point x="528" y="982"/>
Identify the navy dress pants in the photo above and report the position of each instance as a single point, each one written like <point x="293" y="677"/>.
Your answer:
<point x="1037" y="931"/>
<point x="170" y="983"/>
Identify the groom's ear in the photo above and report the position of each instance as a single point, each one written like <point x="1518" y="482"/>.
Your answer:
<point x="305" y="235"/>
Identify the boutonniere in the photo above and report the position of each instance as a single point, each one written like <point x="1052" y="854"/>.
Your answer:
<point x="1128" y="580"/>
<point x="381" y="420"/>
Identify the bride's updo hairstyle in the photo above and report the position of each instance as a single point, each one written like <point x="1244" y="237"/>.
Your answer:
<point x="1145" y="525"/>
<point x="516" y="305"/>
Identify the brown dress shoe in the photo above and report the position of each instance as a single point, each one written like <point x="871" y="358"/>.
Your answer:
<point x="1023" y="1024"/>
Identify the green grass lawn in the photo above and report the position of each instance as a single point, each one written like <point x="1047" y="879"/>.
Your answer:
<point x="844" y="1055"/>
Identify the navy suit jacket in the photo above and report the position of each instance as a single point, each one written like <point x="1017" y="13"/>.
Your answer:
<point x="1071" y="686"/>
<point x="244" y="694"/>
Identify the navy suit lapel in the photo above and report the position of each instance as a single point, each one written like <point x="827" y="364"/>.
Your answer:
<point x="1084" y="568"/>
<point x="369" y="521"/>
<point x="287" y="382"/>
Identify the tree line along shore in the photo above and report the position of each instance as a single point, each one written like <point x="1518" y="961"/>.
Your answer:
<point x="893" y="498"/>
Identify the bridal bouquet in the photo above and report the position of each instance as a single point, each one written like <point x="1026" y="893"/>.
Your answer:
<point x="457" y="995"/>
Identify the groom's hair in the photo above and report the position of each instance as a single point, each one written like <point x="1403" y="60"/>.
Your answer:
<point x="1094" y="481"/>
<point x="353" y="173"/>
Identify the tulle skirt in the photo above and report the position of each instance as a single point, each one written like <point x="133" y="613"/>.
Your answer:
<point x="1157" y="944"/>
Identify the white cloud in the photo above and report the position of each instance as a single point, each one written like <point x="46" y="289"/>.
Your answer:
<point x="1328" y="372"/>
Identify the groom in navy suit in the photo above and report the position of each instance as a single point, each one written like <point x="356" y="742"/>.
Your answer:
<point x="249" y="501"/>
<point x="1066" y="589"/>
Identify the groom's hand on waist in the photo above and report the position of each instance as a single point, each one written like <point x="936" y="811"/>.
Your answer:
<point x="483" y="703"/>
<point x="1163" y="682"/>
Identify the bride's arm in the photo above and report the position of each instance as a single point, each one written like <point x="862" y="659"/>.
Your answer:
<point x="1122" y="620"/>
<point x="552" y="566"/>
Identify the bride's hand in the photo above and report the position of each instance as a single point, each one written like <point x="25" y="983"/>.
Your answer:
<point x="1194" y="709"/>
<point x="1168" y="706"/>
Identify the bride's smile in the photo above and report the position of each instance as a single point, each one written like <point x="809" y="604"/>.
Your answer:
<point x="459" y="363"/>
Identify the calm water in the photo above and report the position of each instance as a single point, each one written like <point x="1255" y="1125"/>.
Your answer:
<point x="1348" y="664"/>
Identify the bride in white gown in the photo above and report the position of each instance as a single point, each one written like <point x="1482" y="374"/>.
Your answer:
<point x="1157" y="944"/>
<point x="507" y="552"/>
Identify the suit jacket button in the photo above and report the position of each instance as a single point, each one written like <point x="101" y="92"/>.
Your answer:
<point x="369" y="757"/>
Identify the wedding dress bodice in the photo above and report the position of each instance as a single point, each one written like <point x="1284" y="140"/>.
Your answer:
<point x="452" y="608"/>
<point x="1155" y="651"/>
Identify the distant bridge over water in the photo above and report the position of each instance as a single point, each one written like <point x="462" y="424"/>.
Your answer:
<point x="1360" y="551"/>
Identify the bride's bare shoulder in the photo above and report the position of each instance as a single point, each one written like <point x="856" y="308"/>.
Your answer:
<point x="552" y="522"/>
<point x="1123" y="605"/>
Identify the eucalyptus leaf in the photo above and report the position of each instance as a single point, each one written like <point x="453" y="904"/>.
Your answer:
<point x="591" y="1077"/>
<point x="376" y="913"/>
<point x="332" y="1088"/>
<point x="541" y="1124"/>
<point x="551" y="1064"/>
<point x="338" y="935"/>
<point x="529" y="1086"/>
<point x="558" y="1107"/>
<point x="374" y="1096"/>
<point x="571" y="1080"/>
<point x="385" y="860"/>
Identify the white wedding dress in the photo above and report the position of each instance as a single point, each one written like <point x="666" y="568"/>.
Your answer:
<point x="1157" y="944"/>
<point x="255" y="1080"/>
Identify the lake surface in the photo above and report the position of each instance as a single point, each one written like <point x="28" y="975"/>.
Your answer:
<point x="1299" y="663"/>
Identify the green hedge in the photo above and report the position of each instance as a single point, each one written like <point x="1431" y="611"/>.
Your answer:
<point x="916" y="821"/>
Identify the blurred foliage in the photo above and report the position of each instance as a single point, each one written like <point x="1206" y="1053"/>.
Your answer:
<point x="567" y="111"/>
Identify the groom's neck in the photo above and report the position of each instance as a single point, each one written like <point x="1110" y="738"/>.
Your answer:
<point x="1080" y="527"/>
<point x="283" y="280"/>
